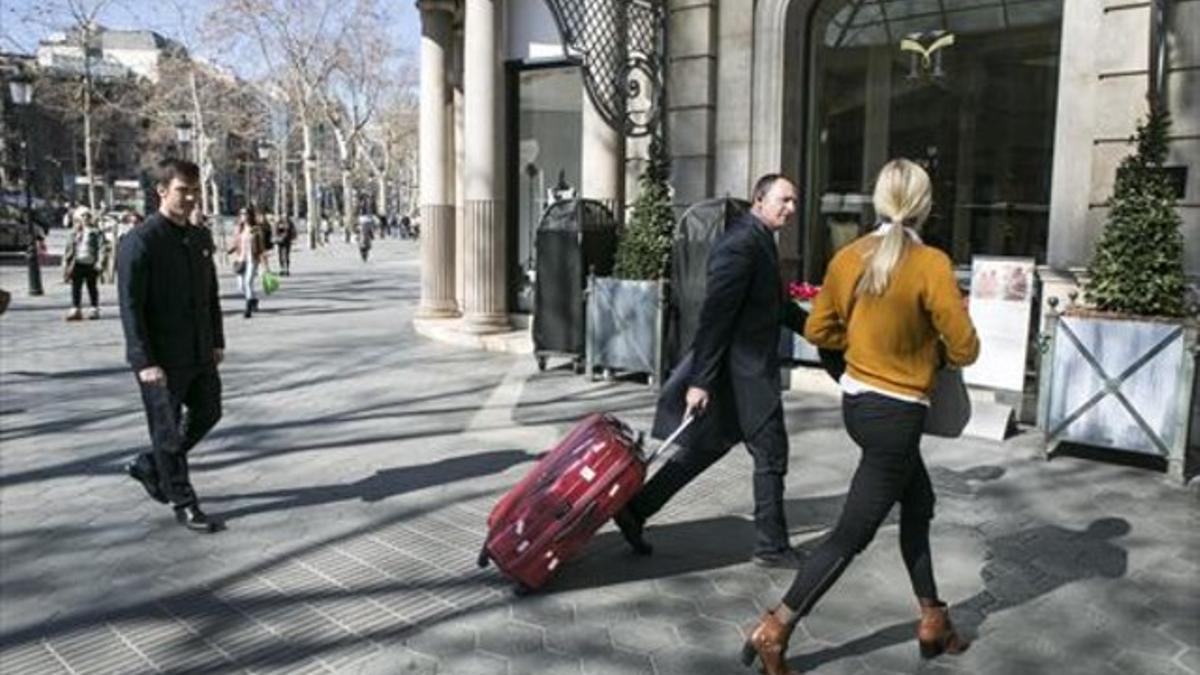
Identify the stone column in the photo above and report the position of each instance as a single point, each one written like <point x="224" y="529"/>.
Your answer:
<point x="437" y="207"/>
<point x="486" y="308"/>
<point x="602" y="159"/>
<point x="460" y="265"/>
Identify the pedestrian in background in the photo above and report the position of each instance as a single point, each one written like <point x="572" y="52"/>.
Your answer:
<point x="81" y="262"/>
<point x="131" y="220"/>
<point x="174" y="338"/>
<point x="267" y="224"/>
<point x="249" y="251"/>
<point x="285" y="235"/>
<point x="366" y="235"/>
<point x="893" y="305"/>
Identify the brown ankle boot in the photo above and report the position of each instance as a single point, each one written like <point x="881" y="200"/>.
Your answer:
<point x="768" y="643"/>
<point x="935" y="633"/>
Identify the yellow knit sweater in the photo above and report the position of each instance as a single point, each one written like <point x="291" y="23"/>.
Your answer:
<point x="891" y="341"/>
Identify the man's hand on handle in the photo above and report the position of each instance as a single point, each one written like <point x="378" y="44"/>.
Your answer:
<point x="152" y="375"/>
<point x="697" y="401"/>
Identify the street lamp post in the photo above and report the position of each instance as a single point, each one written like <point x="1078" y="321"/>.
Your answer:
<point x="183" y="134"/>
<point x="264" y="153"/>
<point x="21" y="89"/>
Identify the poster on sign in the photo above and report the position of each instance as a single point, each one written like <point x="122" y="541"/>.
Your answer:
<point x="1001" y="301"/>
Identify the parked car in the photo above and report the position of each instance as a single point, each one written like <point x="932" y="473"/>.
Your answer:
<point x="14" y="232"/>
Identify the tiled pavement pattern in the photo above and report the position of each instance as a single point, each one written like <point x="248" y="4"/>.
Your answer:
<point x="356" y="464"/>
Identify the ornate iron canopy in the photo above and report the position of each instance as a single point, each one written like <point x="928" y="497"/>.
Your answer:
<point x="620" y="44"/>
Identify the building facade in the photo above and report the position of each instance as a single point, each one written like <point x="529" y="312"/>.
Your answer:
<point x="111" y="53"/>
<point x="1021" y="110"/>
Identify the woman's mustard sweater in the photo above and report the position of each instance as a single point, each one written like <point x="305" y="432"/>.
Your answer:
<point x="892" y="341"/>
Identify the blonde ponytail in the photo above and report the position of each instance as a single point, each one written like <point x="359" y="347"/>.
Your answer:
<point x="902" y="197"/>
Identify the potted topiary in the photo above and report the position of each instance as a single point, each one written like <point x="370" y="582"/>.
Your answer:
<point x="1118" y="370"/>
<point x="625" y="326"/>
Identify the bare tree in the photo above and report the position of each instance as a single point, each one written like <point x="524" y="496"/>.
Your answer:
<point x="81" y="19"/>
<point x="298" y="41"/>
<point x="390" y="141"/>
<point x="355" y="87"/>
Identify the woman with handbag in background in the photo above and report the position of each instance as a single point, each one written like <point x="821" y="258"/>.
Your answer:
<point x="892" y="304"/>
<point x="82" y="262"/>
<point x="249" y="252"/>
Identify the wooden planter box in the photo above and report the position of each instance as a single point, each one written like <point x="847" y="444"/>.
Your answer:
<point x="625" y="322"/>
<point x="1120" y="383"/>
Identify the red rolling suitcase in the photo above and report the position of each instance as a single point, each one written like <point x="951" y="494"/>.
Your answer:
<point x="551" y="514"/>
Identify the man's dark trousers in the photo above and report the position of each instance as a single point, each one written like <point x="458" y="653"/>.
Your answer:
<point x="768" y="446"/>
<point x="179" y="414"/>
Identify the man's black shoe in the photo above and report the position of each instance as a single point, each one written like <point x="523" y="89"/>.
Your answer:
<point x="135" y="472"/>
<point x="631" y="528"/>
<point x="788" y="559"/>
<point x="196" y="520"/>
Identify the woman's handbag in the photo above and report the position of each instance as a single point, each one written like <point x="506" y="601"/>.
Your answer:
<point x="270" y="282"/>
<point x="949" y="404"/>
<point x="239" y="267"/>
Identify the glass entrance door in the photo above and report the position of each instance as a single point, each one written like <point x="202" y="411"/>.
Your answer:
<point x="967" y="88"/>
<point x="544" y="162"/>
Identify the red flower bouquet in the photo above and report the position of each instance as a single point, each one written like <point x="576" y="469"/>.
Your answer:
<point x="802" y="291"/>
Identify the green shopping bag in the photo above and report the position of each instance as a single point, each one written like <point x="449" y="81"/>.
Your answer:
<point x="270" y="282"/>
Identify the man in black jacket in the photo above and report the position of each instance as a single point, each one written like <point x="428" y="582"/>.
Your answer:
<point x="731" y="376"/>
<point x="174" y="340"/>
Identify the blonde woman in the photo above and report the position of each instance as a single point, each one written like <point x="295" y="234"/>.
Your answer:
<point x="893" y="305"/>
<point x="249" y="251"/>
<point x="82" y="262"/>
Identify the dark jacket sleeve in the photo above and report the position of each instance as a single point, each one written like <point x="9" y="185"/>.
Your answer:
<point x="132" y="290"/>
<point x="730" y="269"/>
<point x="214" y="300"/>
<point x="793" y="316"/>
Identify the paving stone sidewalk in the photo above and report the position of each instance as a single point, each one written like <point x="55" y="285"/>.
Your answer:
<point x="356" y="463"/>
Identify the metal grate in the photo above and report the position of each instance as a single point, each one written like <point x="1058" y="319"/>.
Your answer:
<point x="619" y="43"/>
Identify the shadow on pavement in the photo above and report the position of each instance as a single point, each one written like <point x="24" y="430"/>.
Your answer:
<point x="384" y="484"/>
<point x="713" y="543"/>
<point x="1020" y="568"/>
<point x="210" y="617"/>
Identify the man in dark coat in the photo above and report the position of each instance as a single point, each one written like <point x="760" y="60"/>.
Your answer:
<point x="731" y="377"/>
<point x="174" y="339"/>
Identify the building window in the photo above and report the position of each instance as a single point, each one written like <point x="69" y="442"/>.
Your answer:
<point x="546" y="161"/>
<point x="967" y="88"/>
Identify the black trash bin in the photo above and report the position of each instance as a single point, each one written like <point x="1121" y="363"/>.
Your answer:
<point x="575" y="235"/>
<point x="695" y="235"/>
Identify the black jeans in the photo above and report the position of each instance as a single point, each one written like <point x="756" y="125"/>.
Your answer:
<point x="84" y="273"/>
<point x="285" y="256"/>
<point x="891" y="470"/>
<point x="769" y="448"/>
<point x="174" y="431"/>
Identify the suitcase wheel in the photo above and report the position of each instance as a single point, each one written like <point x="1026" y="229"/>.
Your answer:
<point x="484" y="558"/>
<point x="541" y="363"/>
<point x="521" y="590"/>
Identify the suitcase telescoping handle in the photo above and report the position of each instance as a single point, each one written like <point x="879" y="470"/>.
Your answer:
<point x="687" y="420"/>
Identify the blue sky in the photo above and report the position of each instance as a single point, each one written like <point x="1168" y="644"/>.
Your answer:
<point x="24" y="22"/>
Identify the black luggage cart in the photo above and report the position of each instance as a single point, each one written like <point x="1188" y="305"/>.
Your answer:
<point x="574" y="236"/>
<point x="695" y="235"/>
